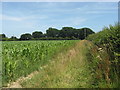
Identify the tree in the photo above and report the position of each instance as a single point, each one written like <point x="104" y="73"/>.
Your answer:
<point x="2" y="36"/>
<point x="13" y="38"/>
<point x="37" y="34"/>
<point x="26" y="36"/>
<point x="52" y="32"/>
<point x="86" y="32"/>
<point x="67" y="32"/>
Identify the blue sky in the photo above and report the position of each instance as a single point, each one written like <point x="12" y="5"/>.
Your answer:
<point x="26" y="17"/>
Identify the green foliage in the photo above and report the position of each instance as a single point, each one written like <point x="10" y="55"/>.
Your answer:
<point x="26" y="36"/>
<point x="66" y="33"/>
<point x="69" y="69"/>
<point x="52" y="32"/>
<point x="20" y="58"/>
<point x="13" y="38"/>
<point x="37" y="34"/>
<point x="2" y="36"/>
<point x="109" y="38"/>
<point x="77" y="33"/>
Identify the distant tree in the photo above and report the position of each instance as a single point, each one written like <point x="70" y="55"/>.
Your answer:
<point x="52" y="32"/>
<point x="26" y="36"/>
<point x="2" y="36"/>
<point x="13" y="38"/>
<point x="76" y="33"/>
<point x="67" y="32"/>
<point x="37" y="34"/>
<point x="89" y="31"/>
<point x="79" y="34"/>
<point x="86" y="32"/>
<point x="44" y="35"/>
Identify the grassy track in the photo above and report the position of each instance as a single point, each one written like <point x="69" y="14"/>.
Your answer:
<point x="68" y="69"/>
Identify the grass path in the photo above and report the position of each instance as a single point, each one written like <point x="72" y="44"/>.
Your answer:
<point x="69" y="69"/>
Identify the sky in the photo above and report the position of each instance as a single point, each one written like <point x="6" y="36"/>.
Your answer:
<point x="26" y="17"/>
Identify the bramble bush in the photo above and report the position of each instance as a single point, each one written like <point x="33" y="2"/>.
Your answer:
<point x="109" y="39"/>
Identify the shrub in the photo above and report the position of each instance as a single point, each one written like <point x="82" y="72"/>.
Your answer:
<point x="109" y="38"/>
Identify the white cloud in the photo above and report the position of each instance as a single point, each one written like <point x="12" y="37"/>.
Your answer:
<point x="73" y="21"/>
<point x="12" y="18"/>
<point x="98" y="8"/>
<point x="77" y="21"/>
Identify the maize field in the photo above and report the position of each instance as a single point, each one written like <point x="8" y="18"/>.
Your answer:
<point x="20" y="58"/>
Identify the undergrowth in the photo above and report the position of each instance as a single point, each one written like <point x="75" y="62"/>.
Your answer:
<point x="106" y="56"/>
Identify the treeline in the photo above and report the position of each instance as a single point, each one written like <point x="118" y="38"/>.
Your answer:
<point x="109" y="40"/>
<point x="66" y="33"/>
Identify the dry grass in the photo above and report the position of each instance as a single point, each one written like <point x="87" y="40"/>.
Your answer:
<point x="67" y="70"/>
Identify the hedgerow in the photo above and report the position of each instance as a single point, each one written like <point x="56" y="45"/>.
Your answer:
<point x="109" y="39"/>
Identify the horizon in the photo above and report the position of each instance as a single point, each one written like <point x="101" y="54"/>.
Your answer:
<point x="26" y="17"/>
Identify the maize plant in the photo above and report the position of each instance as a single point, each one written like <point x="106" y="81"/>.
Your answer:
<point x="21" y="58"/>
